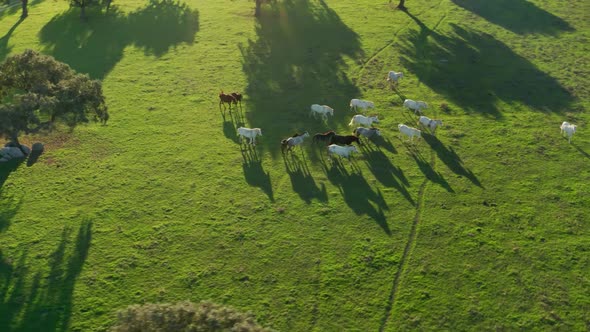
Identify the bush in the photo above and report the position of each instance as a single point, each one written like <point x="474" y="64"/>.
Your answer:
<point x="184" y="316"/>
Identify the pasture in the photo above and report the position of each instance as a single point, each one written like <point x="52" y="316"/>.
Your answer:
<point x="484" y="226"/>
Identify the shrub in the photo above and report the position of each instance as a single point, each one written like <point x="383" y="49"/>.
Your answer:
<point x="184" y="316"/>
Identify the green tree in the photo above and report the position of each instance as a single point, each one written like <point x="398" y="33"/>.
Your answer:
<point x="37" y="90"/>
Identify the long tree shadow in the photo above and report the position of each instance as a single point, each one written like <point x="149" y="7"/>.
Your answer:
<point x="297" y="60"/>
<point x="96" y="46"/>
<point x="357" y="193"/>
<point x="302" y="181"/>
<point x="45" y="305"/>
<point x="4" y="49"/>
<point x="518" y="16"/>
<point x="427" y="169"/>
<point x="254" y="173"/>
<point x="9" y="205"/>
<point x="385" y="172"/>
<point x="475" y="71"/>
<point x="17" y="9"/>
<point x="450" y="158"/>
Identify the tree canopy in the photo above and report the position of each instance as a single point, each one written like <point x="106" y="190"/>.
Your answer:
<point x="36" y="90"/>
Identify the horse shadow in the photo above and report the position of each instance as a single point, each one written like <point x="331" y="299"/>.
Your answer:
<point x="231" y="122"/>
<point x="448" y="156"/>
<point x="45" y="303"/>
<point x="427" y="169"/>
<point x="357" y="193"/>
<point x="385" y="172"/>
<point x="385" y="143"/>
<point x="254" y="172"/>
<point x="302" y="181"/>
<point x="519" y="16"/>
<point x="460" y="58"/>
<point x="584" y="153"/>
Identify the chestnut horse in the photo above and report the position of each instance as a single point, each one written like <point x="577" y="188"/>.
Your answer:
<point x="226" y="99"/>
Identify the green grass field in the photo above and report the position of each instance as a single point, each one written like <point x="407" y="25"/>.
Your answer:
<point x="483" y="227"/>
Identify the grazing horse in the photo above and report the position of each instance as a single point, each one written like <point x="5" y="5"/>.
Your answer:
<point x="292" y="141"/>
<point x="409" y="131"/>
<point x="416" y="106"/>
<point x="249" y="133"/>
<point x="322" y="110"/>
<point x="345" y="140"/>
<point x="367" y="132"/>
<point x="569" y="129"/>
<point x="430" y="123"/>
<point x="238" y="97"/>
<point x="362" y="104"/>
<point x="363" y="120"/>
<point x="325" y="137"/>
<point x="342" y="151"/>
<point x="226" y="99"/>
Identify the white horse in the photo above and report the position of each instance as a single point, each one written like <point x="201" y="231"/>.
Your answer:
<point x="393" y="77"/>
<point x="409" y="131"/>
<point x="367" y="132"/>
<point x="290" y="142"/>
<point x="362" y="104"/>
<point x="363" y="120"/>
<point x="416" y="106"/>
<point x="429" y="123"/>
<point x="249" y="133"/>
<point x="342" y="151"/>
<point x="569" y="130"/>
<point x="322" y="110"/>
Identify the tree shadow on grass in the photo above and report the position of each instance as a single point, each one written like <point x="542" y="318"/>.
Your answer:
<point x="385" y="172"/>
<point x="297" y="60"/>
<point x="18" y="8"/>
<point x="518" y="16"/>
<point x="4" y="49"/>
<point x="450" y="158"/>
<point x="302" y="180"/>
<point x="45" y="305"/>
<point x="9" y="205"/>
<point x="357" y="193"/>
<point x="475" y="71"/>
<point x="253" y="171"/>
<point x="97" y="45"/>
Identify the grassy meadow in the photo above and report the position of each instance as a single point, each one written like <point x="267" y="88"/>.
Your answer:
<point x="484" y="226"/>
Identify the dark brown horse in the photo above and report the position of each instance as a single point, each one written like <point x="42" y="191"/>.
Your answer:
<point x="238" y="97"/>
<point x="325" y="137"/>
<point x="344" y="140"/>
<point x="226" y="99"/>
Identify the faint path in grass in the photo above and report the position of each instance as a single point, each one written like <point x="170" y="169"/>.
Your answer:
<point x="407" y="250"/>
<point x="390" y="43"/>
<point x="424" y="33"/>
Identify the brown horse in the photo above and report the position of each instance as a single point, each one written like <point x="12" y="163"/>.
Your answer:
<point x="226" y="99"/>
<point x="238" y="97"/>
